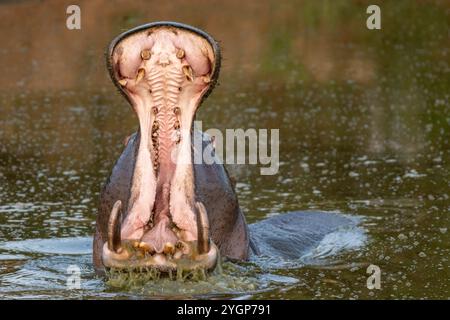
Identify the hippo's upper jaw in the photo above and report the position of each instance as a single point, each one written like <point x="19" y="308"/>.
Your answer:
<point x="164" y="70"/>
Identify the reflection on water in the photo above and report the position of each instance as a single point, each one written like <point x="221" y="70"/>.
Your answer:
<point x="364" y="121"/>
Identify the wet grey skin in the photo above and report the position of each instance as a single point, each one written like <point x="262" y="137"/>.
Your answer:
<point x="164" y="215"/>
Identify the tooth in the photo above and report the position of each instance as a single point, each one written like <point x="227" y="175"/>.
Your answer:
<point x="114" y="222"/>
<point x="145" y="54"/>
<point x="180" y="53"/>
<point x="187" y="70"/>
<point x="183" y="247"/>
<point x="169" y="248"/>
<point x="206" y="79"/>
<point x="179" y="245"/>
<point x="178" y="137"/>
<point x="140" y="75"/>
<point x="203" y="228"/>
<point x="145" y="247"/>
<point x="123" y="82"/>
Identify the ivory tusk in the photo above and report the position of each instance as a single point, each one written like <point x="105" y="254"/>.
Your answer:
<point x="114" y="223"/>
<point x="203" y="228"/>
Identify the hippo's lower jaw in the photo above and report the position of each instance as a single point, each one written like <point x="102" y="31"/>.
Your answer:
<point x="134" y="254"/>
<point x="128" y="258"/>
<point x="164" y="71"/>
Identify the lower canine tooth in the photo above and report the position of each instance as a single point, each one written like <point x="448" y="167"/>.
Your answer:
<point x="114" y="225"/>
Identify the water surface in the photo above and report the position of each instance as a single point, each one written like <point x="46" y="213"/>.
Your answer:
<point x="364" y="121"/>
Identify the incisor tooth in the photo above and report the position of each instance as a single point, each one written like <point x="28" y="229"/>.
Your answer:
<point x="169" y="248"/>
<point x="144" y="246"/>
<point x="123" y="82"/>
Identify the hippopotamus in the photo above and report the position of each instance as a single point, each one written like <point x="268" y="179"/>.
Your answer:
<point x="158" y="209"/>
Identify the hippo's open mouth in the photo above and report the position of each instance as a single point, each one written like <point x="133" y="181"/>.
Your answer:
<point x="164" y="70"/>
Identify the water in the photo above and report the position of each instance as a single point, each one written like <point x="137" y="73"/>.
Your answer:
<point x="364" y="121"/>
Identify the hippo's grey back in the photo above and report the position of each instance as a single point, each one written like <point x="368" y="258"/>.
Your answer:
<point x="288" y="237"/>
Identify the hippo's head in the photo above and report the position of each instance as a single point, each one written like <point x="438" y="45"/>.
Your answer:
<point x="164" y="70"/>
